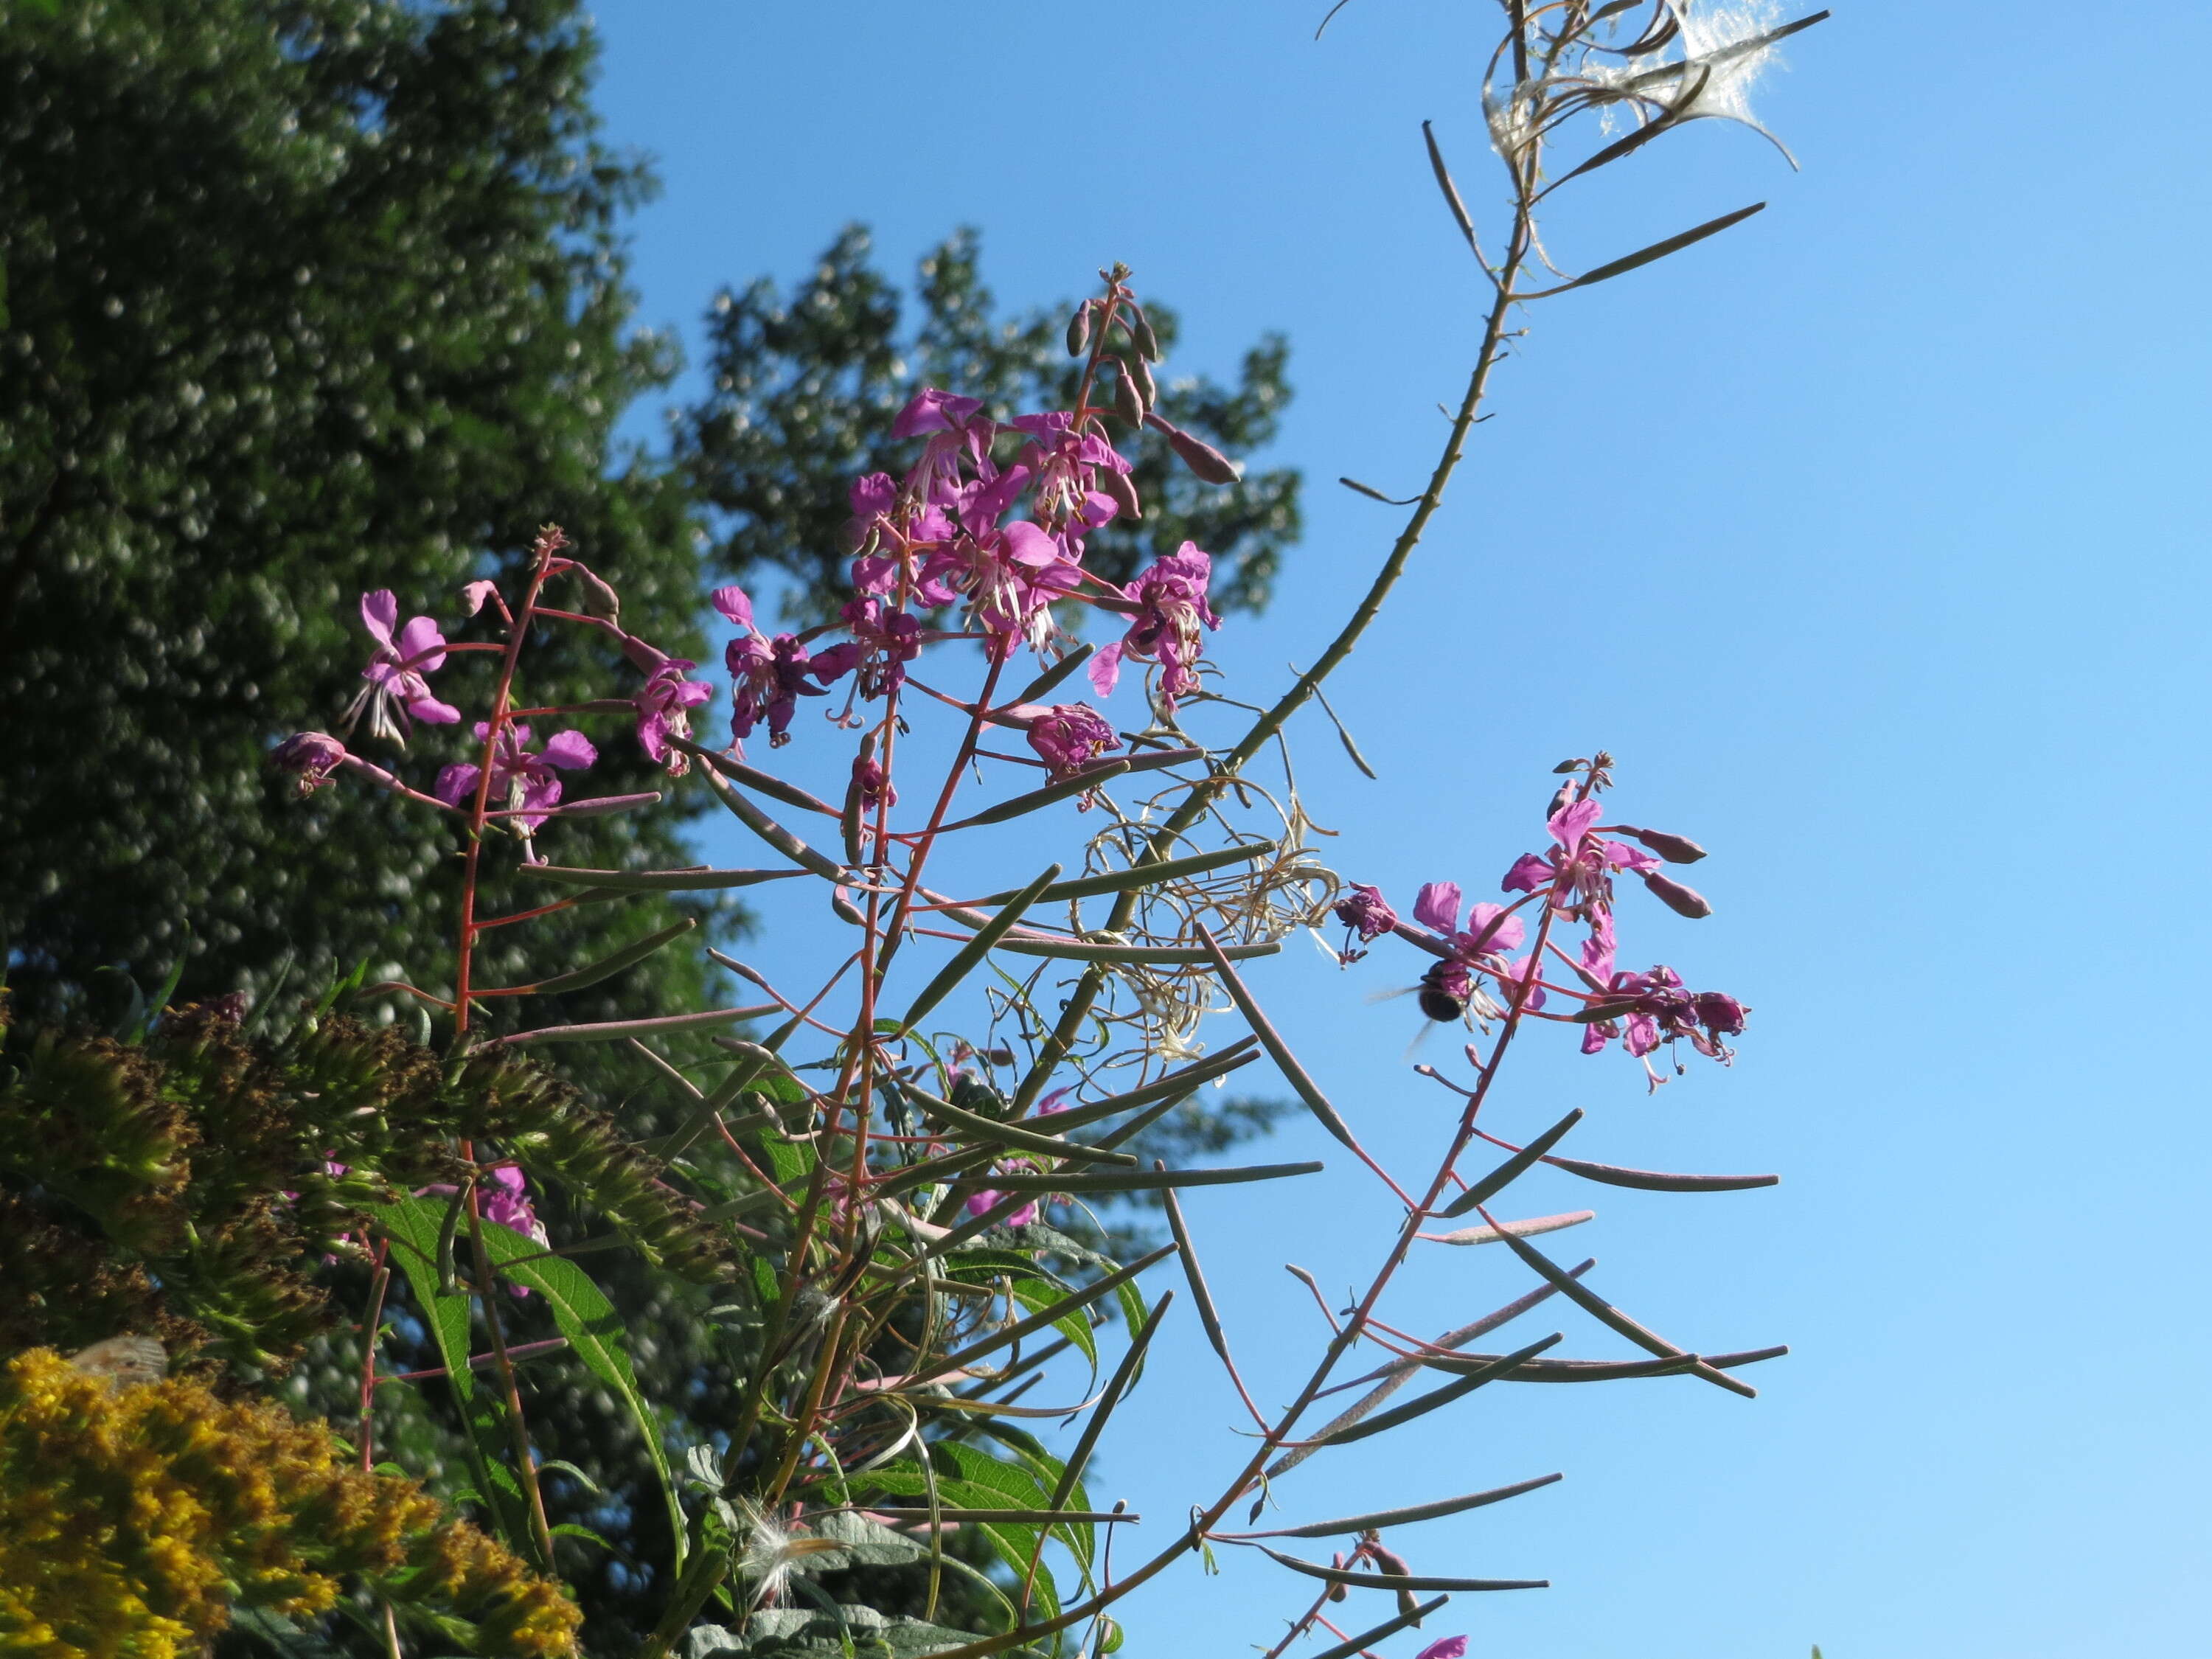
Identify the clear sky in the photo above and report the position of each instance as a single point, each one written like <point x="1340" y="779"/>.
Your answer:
<point x="1862" y="537"/>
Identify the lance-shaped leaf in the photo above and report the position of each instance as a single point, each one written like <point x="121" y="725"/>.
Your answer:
<point x="611" y="965"/>
<point x="1142" y="875"/>
<point x="1124" y="1374"/>
<point x="767" y="828"/>
<point x="699" y="879"/>
<point x="1659" y="1181"/>
<point x="1010" y="1134"/>
<point x="1040" y="688"/>
<point x="1368" y="1638"/>
<point x="1529" y="1229"/>
<point x="1513" y="1169"/>
<point x="596" y="1333"/>
<point x="1404" y="1517"/>
<point x="1612" y="1317"/>
<point x="1143" y="1181"/>
<point x="965" y="959"/>
<point x="1400" y="1581"/>
<point x="613" y="1030"/>
<point x="765" y="782"/>
<point x="1020" y="804"/>
<point x="1435" y="1397"/>
<point x="1644" y="256"/>
<point x="1074" y="1302"/>
<point x="1271" y="1040"/>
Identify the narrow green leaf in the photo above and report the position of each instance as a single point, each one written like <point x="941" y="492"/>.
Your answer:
<point x="1272" y="1041"/>
<point x="1513" y="1169"/>
<point x="1644" y="256"/>
<point x="1402" y="1517"/>
<point x="964" y="960"/>
<point x="1399" y="1581"/>
<point x="613" y="962"/>
<point x="698" y="880"/>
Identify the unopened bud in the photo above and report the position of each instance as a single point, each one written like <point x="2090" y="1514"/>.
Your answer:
<point x="311" y="755"/>
<point x="1123" y="491"/>
<point x="599" y="599"/>
<point x="1140" y="330"/>
<point x="1570" y="765"/>
<point x="1126" y="403"/>
<point x="1148" y="388"/>
<point x="1562" y="797"/>
<point x="1682" y="900"/>
<point x="1675" y="849"/>
<point x="1201" y="457"/>
<point x="1389" y="1561"/>
<point x="1337" y="1592"/>
<point x="1078" y="330"/>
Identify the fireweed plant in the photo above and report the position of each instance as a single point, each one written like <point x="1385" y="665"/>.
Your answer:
<point x="896" y="1179"/>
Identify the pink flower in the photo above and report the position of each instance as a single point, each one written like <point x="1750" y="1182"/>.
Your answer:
<point x="873" y="786"/>
<point x="397" y="692"/>
<point x="1172" y="609"/>
<point x="885" y="639"/>
<point x="1066" y="464"/>
<point x="1452" y="1647"/>
<point x="664" y="706"/>
<point x="768" y="677"/>
<point x="1069" y="736"/>
<point x="519" y="778"/>
<point x="1009" y="576"/>
<point x="1491" y="930"/>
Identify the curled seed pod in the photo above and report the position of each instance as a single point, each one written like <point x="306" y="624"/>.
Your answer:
<point x="1675" y="849"/>
<point x="1126" y="403"/>
<point x="1682" y="900"/>
<point x="1078" y="330"/>
<point x="1123" y="491"/>
<point x="1140" y="330"/>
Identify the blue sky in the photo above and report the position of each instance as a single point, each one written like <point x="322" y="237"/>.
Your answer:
<point x="1862" y="536"/>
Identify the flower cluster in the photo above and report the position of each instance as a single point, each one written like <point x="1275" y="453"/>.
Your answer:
<point x="1572" y="881"/>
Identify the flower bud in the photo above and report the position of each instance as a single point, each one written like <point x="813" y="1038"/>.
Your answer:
<point x="1140" y="330"/>
<point x="1120" y="488"/>
<point x="1202" y="457"/>
<point x="1127" y="404"/>
<point x="1675" y="849"/>
<point x="1719" y="1012"/>
<point x="1337" y="1592"/>
<point x="1078" y="330"/>
<point x="1148" y="388"/>
<point x="599" y="599"/>
<point x="1682" y="900"/>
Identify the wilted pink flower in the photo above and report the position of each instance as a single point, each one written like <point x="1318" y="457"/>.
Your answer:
<point x="519" y="778"/>
<point x="1173" y="610"/>
<point x="768" y="677"/>
<point x="1367" y="913"/>
<point x="1663" y="1011"/>
<point x="397" y="692"/>
<point x="885" y="639"/>
<point x="664" y="706"/>
<point x="312" y="755"/>
<point x="503" y="1199"/>
<point x="873" y="785"/>
<point x="1069" y="736"/>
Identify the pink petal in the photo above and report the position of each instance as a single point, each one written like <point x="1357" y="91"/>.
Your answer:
<point x="476" y="592"/>
<point x="431" y="712"/>
<point x="1437" y="905"/>
<point x="1452" y="1647"/>
<point x="1105" y="669"/>
<point x="379" y="611"/>
<point x="570" y="749"/>
<point x="457" y="783"/>
<point x="732" y="603"/>
<point x="1569" y="822"/>
<point x="421" y="646"/>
